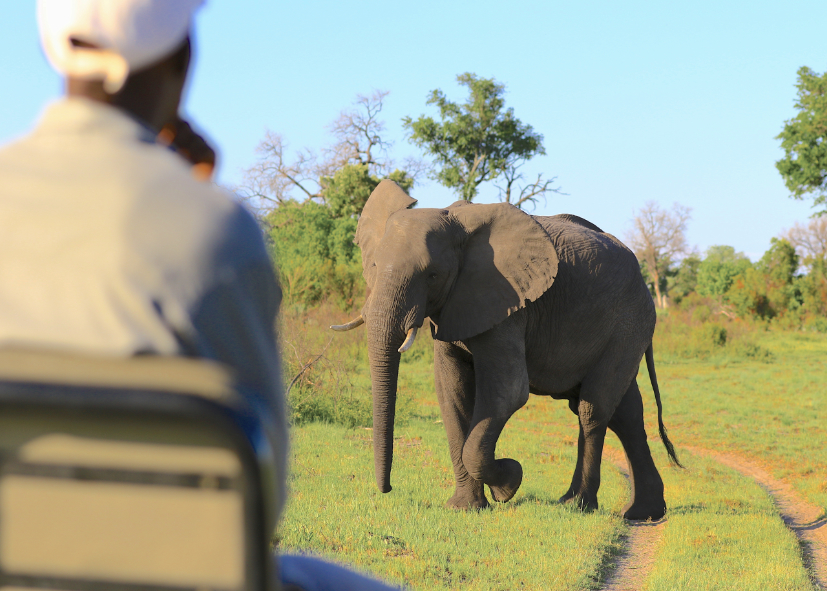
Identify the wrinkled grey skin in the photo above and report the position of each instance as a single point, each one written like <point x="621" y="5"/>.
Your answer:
<point x="517" y="304"/>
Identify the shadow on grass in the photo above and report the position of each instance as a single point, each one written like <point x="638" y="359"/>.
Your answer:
<point x="534" y="499"/>
<point x="724" y="507"/>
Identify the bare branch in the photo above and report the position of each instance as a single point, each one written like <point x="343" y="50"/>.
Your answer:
<point x="358" y="132"/>
<point x="810" y="241"/>
<point x="415" y="167"/>
<point x="658" y="239"/>
<point x="275" y="178"/>
<point x="271" y="180"/>
<point x="307" y="366"/>
<point x="530" y="193"/>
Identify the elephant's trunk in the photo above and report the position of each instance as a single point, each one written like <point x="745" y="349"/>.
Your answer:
<point x="395" y="311"/>
<point x="384" y="370"/>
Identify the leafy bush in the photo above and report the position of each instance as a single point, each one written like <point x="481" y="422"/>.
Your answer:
<point x="718" y="270"/>
<point x="813" y="287"/>
<point x="748" y="348"/>
<point x="699" y="328"/>
<point x="315" y="254"/>
<point x="769" y="288"/>
<point x="347" y="191"/>
<point x="701" y="313"/>
<point x="816" y="323"/>
<point x="711" y="334"/>
<point x="683" y="281"/>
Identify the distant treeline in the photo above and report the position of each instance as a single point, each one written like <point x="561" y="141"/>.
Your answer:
<point x="782" y="287"/>
<point x="309" y="205"/>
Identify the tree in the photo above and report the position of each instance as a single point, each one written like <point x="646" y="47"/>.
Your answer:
<point x="658" y="239"/>
<point x="479" y="141"/>
<point x="718" y="271"/>
<point x="768" y="288"/>
<point x="685" y="279"/>
<point x="804" y="140"/>
<point x="316" y="256"/>
<point x="309" y="204"/>
<point x="345" y="173"/>
<point x="810" y="241"/>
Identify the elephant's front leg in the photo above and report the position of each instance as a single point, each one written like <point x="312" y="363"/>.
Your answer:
<point x="502" y="389"/>
<point x="455" y="388"/>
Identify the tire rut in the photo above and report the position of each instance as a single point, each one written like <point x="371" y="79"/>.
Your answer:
<point x="806" y="520"/>
<point x="631" y="568"/>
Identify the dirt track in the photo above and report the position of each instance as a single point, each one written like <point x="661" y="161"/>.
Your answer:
<point x="631" y="569"/>
<point x="805" y="519"/>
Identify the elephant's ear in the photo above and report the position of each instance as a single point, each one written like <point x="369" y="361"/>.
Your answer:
<point x="508" y="261"/>
<point x="387" y="198"/>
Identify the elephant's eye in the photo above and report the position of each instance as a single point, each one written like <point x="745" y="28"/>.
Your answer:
<point x="431" y="276"/>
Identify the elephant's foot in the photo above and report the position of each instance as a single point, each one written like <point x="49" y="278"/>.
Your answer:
<point x="587" y="503"/>
<point x="566" y="498"/>
<point x="642" y="511"/>
<point x="584" y="502"/>
<point x="468" y="496"/>
<point x="510" y="479"/>
<point x="462" y="502"/>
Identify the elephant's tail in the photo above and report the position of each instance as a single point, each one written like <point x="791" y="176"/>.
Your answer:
<point x="650" y="365"/>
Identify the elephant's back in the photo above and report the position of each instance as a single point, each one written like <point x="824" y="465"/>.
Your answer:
<point x="598" y="297"/>
<point x="583" y="246"/>
<point x="571" y="218"/>
<point x="595" y="265"/>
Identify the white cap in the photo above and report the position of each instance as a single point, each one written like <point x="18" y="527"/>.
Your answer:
<point x="130" y="35"/>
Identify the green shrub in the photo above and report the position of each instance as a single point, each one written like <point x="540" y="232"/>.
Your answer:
<point x="816" y="323"/>
<point x="701" y="313"/>
<point x="718" y="270"/>
<point x="315" y="254"/>
<point x="712" y="333"/>
<point x="751" y="350"/>
<point x="693" y="331"/>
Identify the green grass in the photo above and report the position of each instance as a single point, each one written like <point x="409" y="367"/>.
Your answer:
<point x="408" y="536"/>
<point x="722" y="530"/>
<point x="771" y="412"/>
<point x="723" y="533"/>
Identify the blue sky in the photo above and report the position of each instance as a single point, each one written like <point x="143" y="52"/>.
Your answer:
<point x="637" y="101"/>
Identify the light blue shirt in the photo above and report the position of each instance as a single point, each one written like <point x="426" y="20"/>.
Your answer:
<point x="109" y="246"/>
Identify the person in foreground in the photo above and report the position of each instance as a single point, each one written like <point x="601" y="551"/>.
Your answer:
<point x="112" y="242"/>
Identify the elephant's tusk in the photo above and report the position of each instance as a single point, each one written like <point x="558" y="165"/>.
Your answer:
<point x="358" y="321"/>
<point x="408" y="339"/>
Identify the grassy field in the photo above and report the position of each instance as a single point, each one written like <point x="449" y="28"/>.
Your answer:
<point x="722" y="530"/>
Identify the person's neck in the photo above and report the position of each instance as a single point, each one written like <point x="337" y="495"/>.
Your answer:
<point x="138" y="105"/>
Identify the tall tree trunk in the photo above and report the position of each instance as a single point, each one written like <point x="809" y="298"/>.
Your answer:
<point x="658" y="295"/>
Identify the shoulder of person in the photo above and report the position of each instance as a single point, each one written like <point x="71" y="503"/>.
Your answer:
<point x="170" y="204"/>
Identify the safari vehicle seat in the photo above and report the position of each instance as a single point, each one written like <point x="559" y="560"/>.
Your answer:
<point x="143" y="474"/>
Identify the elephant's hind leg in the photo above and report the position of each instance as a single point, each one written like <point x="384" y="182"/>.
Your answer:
<point x="577" y="478"/>
<point x="593" y="423"/>
<point x="647" y="500"/>
<point x="455" y="387"/>
<point x="601" y="391"/>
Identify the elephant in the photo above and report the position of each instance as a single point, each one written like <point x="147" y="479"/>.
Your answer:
<point x="516" y="304"/>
